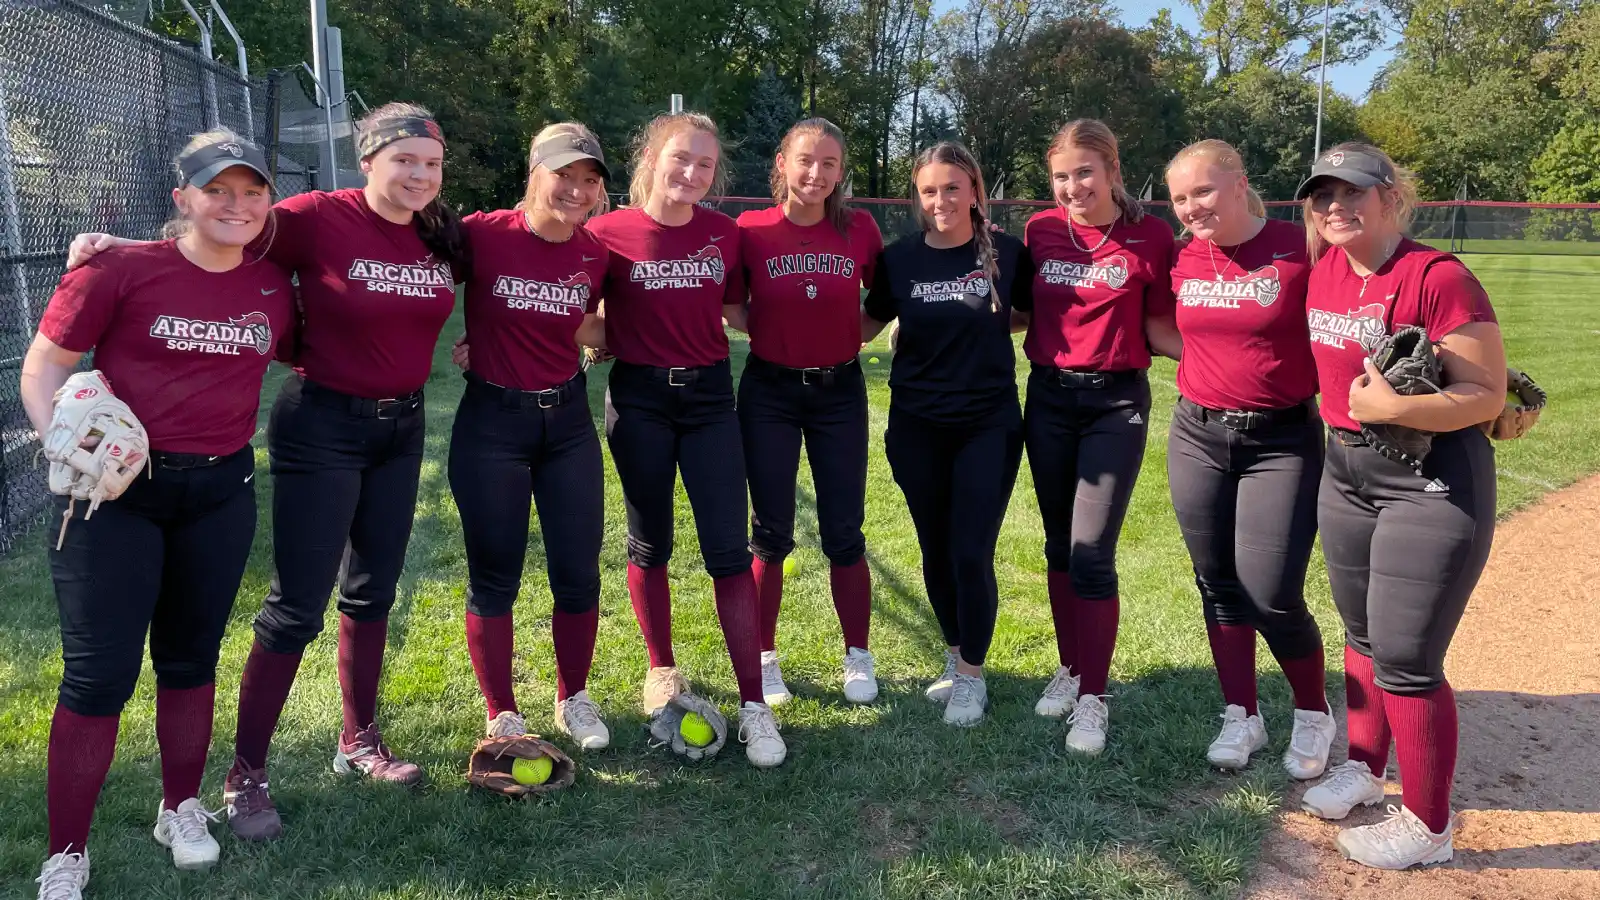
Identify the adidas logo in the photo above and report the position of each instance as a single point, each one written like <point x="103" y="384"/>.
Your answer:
<point x="1436" y="487"/>
<point x="1136" y="419"/>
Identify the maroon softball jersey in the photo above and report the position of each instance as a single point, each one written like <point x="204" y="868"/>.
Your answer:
<point x="1089" y="306"/>
<point x="1241" y="311"/>
<point x="373" y="297"/>
<point x="185" y="348"/>
<point x="1417" y="286"/>
<point x="666" y="286"/>
<point x="526" y="298"/>
<point x="805" y="285"/>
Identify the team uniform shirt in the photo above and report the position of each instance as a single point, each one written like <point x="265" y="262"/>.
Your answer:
<point x="955" y="363"/>
<point x="1416" y="286"/>
<point x="805" y="285"/>
<point x="1241" y="312"/>
<point x="373" y="297"/>
<point x="1089" y="306"/>
<point x="526" y="298"/>
<point x="185" y="348"/>
<point x="666" y="286"/>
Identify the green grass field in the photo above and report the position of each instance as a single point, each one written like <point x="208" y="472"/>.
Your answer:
<point x="876" y="801"/>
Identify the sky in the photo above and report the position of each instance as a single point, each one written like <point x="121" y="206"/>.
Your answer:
<point x="1351" y="80"/>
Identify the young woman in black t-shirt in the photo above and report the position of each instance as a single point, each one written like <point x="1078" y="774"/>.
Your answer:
<point x="955" y="427"/>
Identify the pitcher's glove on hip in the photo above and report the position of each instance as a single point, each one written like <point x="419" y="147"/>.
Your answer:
<point x="1519" y="416"/>
<point x="664" y="726"/>
<point x="87" y="411"/>
<point x="490" y="765"/>
<point x="1408" y="363"/>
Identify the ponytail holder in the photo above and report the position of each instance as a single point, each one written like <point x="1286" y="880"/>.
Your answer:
<point x="388" y="131"/>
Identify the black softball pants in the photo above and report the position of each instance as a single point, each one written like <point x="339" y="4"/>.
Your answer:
<point x="1085" y="436"/>
<point x="663" y="421"/>
<point x="1405" y="549"/>
<point x="957" y="481"/>
<point x="344" y="492"/>
<point x="509" y="448"/>
<point x="778" y="408"/>
<point x="164" y="559"/>
<point x="1246" y="501"/>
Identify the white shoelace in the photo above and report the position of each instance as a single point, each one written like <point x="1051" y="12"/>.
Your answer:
<point x="59" y="879"/>
<point x="191" y="826"/>
<point x="949" y="673"/>
<point x="1060" y="687"/>
<point x="772" y="676"/>
<point x="965" y="691"/>
<point x="857" y="666"/>
<point x="1347" y="778"/>
<point x="1234" y="731"/>
<point x="1304" y="739"/>
<point x="507" y="724"/>
<point x="757" y="725"/>
<point x="1399" y="833"/>
<point x="581" y="713"/>
<point x="1090" y="715"/>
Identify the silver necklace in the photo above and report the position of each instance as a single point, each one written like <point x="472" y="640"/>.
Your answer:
<point x="1211" y="250"/>
<point x="527" y="217"/>
<point x="1072" y="232"/>
<point x="1388" y="252"/>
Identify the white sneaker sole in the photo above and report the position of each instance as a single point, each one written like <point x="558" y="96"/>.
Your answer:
<point x="1328" y="814"/>
<point x="189" y="863"/>
<point x="862" y="695"/>
<point x="777" y="699"/>
<point x="1088" y="746"/>
<point x="1050" y="710"/>
<point x="766" y="760"/>
<point x="1441" y="855"/>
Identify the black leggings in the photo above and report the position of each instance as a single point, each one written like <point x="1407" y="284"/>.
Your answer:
<point x="778" y="407"/>
<point x="506" y="448"/>
<point x="957" y="481"/>
<point x="1404" y="550"/>
<point x="165" y="559"/>
<point x="344" y="492"/>
<point x="663" y="421"/>
<point x="1085" y="448"/>
<point x="1246" y="502"/>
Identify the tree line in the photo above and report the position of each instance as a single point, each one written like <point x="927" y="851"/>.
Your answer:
<point x="1502" y="96"/>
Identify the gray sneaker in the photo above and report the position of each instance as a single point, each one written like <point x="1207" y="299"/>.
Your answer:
<point x="968" y="697"/>
<point x="939" y="691"/>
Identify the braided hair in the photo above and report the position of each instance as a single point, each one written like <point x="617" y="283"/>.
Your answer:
<point x="954" y="154"/>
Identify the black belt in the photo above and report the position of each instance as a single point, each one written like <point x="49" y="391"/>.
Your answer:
<point x="365" y="407"/>
<point x="161" y="459"/>
<point x="811" y="376"/>
<point x="1349" y="438"/>
<point x="511" y="398"/>
<point x="677" y="376"/>
<point x="1092" y="381"/>
<point x="1248" y="419"/>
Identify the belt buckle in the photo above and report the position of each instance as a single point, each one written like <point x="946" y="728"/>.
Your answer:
<point x="385" y="405"/>
<point x="1238" y="419"/>
<point x="806" y="373"/>
<point x="553" y="395"/>
<point x="672" y="373"/>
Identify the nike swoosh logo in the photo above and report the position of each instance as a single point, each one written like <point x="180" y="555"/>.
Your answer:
<point x="589" y="259"/>
<point x="248" y="477"/>
<point x="718" y="238"/>
<point x="805" y="243"/>
<point x="1283" y="255"/>
<point x="267" y="293"/>
<point x="1134" y="241"/>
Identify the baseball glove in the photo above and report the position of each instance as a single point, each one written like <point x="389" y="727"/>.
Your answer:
<point x="1408" y="363"/>
<point x="1518" y="418"/>
<point x="489" y="767"/>
<point x="87" y="412"/>
<point x="664" y="726"/>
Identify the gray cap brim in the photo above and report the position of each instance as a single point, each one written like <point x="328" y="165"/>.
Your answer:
<point x="206" y="175"/>
<point x="568" y="157"/>
<point x="1350" y="176"/>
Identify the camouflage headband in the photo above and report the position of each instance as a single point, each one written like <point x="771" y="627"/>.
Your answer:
<point x="390" y="130"/>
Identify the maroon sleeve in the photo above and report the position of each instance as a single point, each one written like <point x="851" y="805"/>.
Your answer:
<point x="84" y="303"/>
<point x="874" y="238"/>
<point x="737" y="288"/>
<point x="1158" y="297"/>
<point x="290" y="235"/>
<point x="1451" y="298"/>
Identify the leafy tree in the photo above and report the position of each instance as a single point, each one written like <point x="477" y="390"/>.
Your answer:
<point x="772" y="109"/>
<point x="1568" y="169"/>
<point x="1271" y="118"/>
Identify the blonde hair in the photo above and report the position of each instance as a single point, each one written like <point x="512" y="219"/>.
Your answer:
<point x="1402" y="197"/>
<point x="953" y="154"/>
<point x="1224" y="156"/>
<point x="575" y="129"/>
<point x="647" y="150"/>
<point x="834" y="209"/>
<point x="1095" y="136"/>
<point x="178" y="226"/>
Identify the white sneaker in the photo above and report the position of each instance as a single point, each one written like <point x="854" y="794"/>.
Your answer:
<point x="507" y="724"/>
<point x="1241" y="736"/>
<point x="1398" y="842"/>
<point x="1089" y="719"/>
<point x="64" y="876"/>
<point x="1060" y="695"/>
<point x="1313" y="736"/>
<point x="578" y="717"/>
<point x="758" y="729"/>
<point x="939" y="691"/>
<point x="860" y="679"/>
<point x="968" y="696"/>
<point x="773" y="690"/>
<point x="1348" y="785"/>
<point x="184" y="831"/>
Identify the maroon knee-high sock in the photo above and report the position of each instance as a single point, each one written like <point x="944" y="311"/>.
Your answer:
<point x="738" y="615"/>
<point x="183" y="732"/>
<point x="1308" y="678"/>
<point x="80" y="754"/>
<point x="852" y="600"/>
<point x="263" y="691"/>
<point x="361" y="646"/>
<point x="769" y="594"/>
<point x="652" y="606"/>
<point x="573" y="634"/>
<point x="1097" y="641"/>
<point x="1233" y="650"/>
<point x="489" y="643"/>
<point x="1064" y="612"/>
<point x="1425" y="735"/>
<point x="1367" y="720"/>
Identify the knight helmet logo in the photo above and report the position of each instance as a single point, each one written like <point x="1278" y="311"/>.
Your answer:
<point x="712" y="257"/>
<point x="976" y="283"/>
<point x="811" y="289"/>
<point x="233" y="148"/>
<point x="1370" y="320"/>
<point x="259" y="327"/>
<point x="1116" y="271"/>
<point x="1266" y="283"/>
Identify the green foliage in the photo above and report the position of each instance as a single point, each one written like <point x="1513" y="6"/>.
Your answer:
<point x="1568" y="170"/>
<point x="1271" y="118"/>
<point x="772" y="109"/>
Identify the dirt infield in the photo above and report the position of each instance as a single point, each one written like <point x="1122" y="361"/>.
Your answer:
<point x="1526" y="668"/>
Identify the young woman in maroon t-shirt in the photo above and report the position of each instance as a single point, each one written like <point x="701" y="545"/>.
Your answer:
<point x="375" y="267"/>
<point x="805" y="261"/>
<point x="1404" y="540"/>
<point x="1102" y="299"/>
<point x="1245" y="449"/>
<point x="183" y="331"/>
